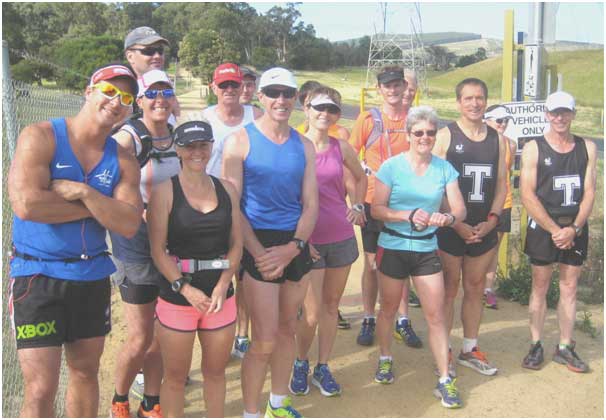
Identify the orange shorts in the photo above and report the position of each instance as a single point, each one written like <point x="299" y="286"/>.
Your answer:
<point x="188" y="318"/>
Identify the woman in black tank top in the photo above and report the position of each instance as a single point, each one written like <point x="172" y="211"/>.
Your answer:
<point x="196" y="243"/>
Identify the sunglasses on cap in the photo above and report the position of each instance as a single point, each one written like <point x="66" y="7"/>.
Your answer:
<point x="110" y="92"/>
<point x="150" y="51"/>
<point x="228" y="84"/>
<point x="429" y="133"/>
<point x="153" y="93"/>
<point x="273" y="93"/>
<point x="330" y="108"/>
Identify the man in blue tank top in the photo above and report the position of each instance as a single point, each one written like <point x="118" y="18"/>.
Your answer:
<point x="557" y="187"/>
<point x="69" y="182"/>
<point x="273" y="169"/>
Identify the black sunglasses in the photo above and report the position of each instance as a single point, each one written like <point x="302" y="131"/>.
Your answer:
<point x="330" y="108"/>
<point x="228" y="84"/>
<point x="419" y="133"/>
<point x="150" y="51"/>
<point x="272" y="93"/>
<point x="501" y="120"/>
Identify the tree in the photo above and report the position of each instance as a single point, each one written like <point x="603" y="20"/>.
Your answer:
<point x="203" y="50"/>
<point x="264" y="58"/>
<point x="476" y="57"/>
<point x="30" y="71"/>
<point x="440" y="57"/>
<point x="282" y="21"/>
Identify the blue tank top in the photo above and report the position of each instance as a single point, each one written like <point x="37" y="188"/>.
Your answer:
<point x="58" y="241"/>
<point x="272" y="181"/>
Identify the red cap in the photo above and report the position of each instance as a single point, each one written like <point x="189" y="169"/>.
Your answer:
<point x="112" y="71"/>
<point x="227" y="71"/>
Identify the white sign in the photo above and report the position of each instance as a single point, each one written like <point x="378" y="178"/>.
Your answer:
<point x="528" y="121"/>
<point x="531" y="69"/>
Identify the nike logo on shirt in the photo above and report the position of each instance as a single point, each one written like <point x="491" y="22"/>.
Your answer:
<point x="59" y="166"/>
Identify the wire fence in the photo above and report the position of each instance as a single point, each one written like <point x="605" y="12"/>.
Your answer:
<point x="22" y="105"/>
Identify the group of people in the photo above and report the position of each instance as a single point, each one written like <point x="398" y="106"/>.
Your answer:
<point x="236" y="192"/>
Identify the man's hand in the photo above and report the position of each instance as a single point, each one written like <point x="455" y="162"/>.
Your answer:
<point x="564" y="237"/>
<point x="484" y="228"/>
<point x="355" y="217"/>
<point x="272" y="264"/>
<point x="69" y="190"/>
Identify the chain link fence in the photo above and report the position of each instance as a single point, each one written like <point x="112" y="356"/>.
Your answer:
<point x="22" y="104"/>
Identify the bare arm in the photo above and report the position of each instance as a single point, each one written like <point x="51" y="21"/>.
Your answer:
<point x="351" y="162"/>
<point x="588" y="199"/>
<point x="125" y="139"/>
<point x="455" y="201"/>
<point x="309" y="194"/>
<point x="501" y="189"/>
<point x="29" y="180"/>
<point x="442" y="143"/>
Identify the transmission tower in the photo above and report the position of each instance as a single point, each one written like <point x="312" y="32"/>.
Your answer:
<point x="404" y="50"/>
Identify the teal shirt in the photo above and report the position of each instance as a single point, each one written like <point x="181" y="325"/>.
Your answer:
<point x="410" y="191"/>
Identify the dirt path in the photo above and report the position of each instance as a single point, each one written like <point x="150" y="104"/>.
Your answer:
<point x="514" y="392"/>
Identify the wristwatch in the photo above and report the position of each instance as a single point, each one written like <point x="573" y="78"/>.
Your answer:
<point x="299" y="242"/>
<point x="577" y="229"/>
<point x="358" y="208"/>
<point x="178" y="284"/>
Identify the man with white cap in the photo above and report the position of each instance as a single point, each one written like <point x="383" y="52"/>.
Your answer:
<point x="150" y="139"/>
<point x="557" y="186"/>
<point x="497" y="117"/>
<point x="273" y="169"/>
<point x="69" y="181"/>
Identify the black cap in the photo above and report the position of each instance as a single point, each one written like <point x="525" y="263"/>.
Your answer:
<point x="390" y="76"/>
<point x="248" y="72"/>
<point x="192" y="131"/>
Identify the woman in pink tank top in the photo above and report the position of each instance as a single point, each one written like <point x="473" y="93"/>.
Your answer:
<point x="332" y="243"/>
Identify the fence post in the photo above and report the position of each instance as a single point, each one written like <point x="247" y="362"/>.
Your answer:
<point x="8" y="102"/>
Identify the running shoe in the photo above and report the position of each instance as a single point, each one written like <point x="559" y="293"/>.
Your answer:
<point x="570" y="358"/>
<point x="413" y="299"/>
<point x="367" y="332"/>
<point x="323" y="379"/>
<point x="476" y="360"/>
<point x="384" y="373"/>
<point x="298" y="384"/>
<point x="404" y="332"/>
<point x="153" y="413"/>
<point x="448" y="394"/>
<point x="452" y="372"/>
<point x="342" y="323"/>
<point x="534" y="358"/>
<point x="241" y="345"/>
<point x="490" y="300"/>
<point x="136" y="389"/>
<point x="120" y="410"/>
<point x="286" y="411"/>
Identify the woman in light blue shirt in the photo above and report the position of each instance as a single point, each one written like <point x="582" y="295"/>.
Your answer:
<point x="409" y="191"/>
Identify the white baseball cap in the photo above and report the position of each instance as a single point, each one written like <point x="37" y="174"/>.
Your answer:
<point x="323" y="100"/>
<point x="151" y="77"/>
<point x="560" y="99"/>
<point x="277" y="76"/>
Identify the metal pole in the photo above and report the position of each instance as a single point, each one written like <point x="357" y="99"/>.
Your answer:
<point x="507" y="78"/>
<point x="520" y="70"/>
<point x="9" y="115"/>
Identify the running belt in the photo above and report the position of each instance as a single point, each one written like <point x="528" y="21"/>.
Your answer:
<point x="401" y="235"/>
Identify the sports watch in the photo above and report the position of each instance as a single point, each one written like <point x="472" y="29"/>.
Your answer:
<point x="178" y="284"/>
<point x="577" y="229"/>
<point x="299" y="242"/>
<point x="359" y="208"/>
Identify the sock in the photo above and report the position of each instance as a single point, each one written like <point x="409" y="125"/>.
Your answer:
<point x="444" y="379"/>
<point x="383" y="358"/>
<point x="402" y="319"/>
<point x="251" y="415"/>
<point x="369" y="317"/>
<point x="149" y="401"/>
<point x="488" y="289"/>
<point x="119" y="398"/>
<point x="276" y="400"/>
<point x="562" y="346"/>
<point x="469" y="344"/>
<point x="241" y="337"/>
<point x="534" y="343"/>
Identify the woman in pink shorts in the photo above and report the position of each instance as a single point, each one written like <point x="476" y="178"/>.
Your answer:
<point x="196" y="244"/>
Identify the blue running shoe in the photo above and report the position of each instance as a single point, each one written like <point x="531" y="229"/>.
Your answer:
<point x="324" y="380"/>
<point x="298" y="384"/>
<point x="367" y="332"/>
<point x="286" y="411"/>
<point x="384" y="373"/>
<point x="241" y="345"/>
<point x="404" y="332"/>
<point x="448" y="394"/>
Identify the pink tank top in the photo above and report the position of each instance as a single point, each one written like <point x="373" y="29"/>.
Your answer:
<point x="332" y="225"/>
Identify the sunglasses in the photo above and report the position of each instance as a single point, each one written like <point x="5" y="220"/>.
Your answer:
<point x="501" y="120"/>
<point x="150" y="51"/>
<point x="228" y="84"/>
<point x="288" y="93"/>
<point x="153" y="93"/>
<point x="330" y="108"/>
<point x="429" y="133"/>
<point x="110" y="92"/>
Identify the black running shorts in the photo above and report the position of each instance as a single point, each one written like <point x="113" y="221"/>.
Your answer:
<point x="450" y="242"/>
<point x="402" y="264"/>
<point x="542" y="251"/>
<point x="370" y="232"/>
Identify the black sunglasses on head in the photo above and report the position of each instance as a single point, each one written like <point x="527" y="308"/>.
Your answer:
<point x="330" y="108"/>
<point x="228" y="84"/>
<point x="150" y="51"/>
<point x="274" y="93"/>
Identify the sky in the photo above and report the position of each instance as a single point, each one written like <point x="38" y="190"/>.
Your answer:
<point x="337" y="21"/>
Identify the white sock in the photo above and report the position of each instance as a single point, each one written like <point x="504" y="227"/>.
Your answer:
<point x="444" y="379"/>
<point x="488" y="289"/>
<point x="248" y="415"/>
<point x="383" y="358"/>
<point x="402" y="318"/>
<point x="276" y="400"/>
<point x="469" y="344"/>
